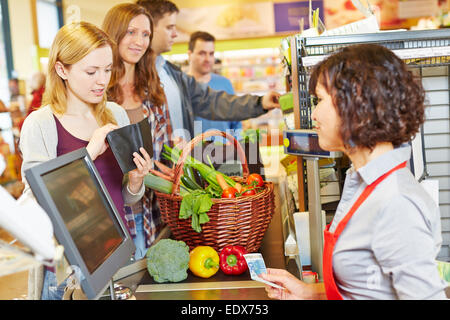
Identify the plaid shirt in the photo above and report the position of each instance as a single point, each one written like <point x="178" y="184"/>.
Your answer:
<point x="161" y="131"/>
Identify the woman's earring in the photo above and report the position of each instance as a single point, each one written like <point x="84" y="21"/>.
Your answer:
<point x="351" y="143"/>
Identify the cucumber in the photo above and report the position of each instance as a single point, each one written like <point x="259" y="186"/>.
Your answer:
<point x="157" y="183"/>
<point x="189" y="183"/>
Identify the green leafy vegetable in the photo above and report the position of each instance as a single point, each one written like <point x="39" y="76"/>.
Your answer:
<point x="214" y="191"/>
<point x="195" y="205"/>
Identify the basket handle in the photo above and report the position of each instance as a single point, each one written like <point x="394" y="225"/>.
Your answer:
<point x="190" y="146"/>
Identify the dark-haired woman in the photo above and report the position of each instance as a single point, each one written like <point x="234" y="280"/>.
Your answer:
<point x="386" y="234"/>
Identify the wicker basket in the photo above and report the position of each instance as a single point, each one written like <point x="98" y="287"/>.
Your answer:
<point x="239" y="221"/>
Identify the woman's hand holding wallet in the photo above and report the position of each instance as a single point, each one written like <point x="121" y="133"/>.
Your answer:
<point x="98" y="144"/>
<point x="136" y="176"/>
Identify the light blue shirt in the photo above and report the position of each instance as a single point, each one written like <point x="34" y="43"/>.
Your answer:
<point x="220" y="83"/>
<point x="389" y="246"/>
<point x="173" y="99"/>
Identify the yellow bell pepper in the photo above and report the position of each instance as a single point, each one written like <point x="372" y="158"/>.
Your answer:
<point x="204" y="261"/>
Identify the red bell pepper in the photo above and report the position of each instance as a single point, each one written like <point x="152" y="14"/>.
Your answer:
<point x="232" y="261"/>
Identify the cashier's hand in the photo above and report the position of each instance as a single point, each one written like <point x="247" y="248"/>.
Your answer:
<point x="294" y="289"/>
<point x="143" y="165"/>
<point x="270" y="100"/>
<point x="97" y="144"/>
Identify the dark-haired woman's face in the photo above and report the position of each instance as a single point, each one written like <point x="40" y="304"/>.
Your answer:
<point x="327" y="121"/>
<point x="136" y="41"/>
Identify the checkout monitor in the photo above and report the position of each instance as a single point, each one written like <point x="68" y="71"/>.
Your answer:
<point x="84" y="217"/>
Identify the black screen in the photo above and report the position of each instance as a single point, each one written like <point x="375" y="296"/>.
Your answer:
<point x="306" y="144"/>
<point x="93" y="228"/>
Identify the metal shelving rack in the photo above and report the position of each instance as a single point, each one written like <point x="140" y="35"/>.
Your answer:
<point x="419" y="49"/>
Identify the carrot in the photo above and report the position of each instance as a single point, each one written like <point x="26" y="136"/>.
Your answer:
<point x="221" y="181"/>
<point x="161" y="175"/>
<point x="238" y="187"/>
<point x="165" y="169"/>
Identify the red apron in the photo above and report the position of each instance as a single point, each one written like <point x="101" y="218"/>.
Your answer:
<point x="331" y="238"/>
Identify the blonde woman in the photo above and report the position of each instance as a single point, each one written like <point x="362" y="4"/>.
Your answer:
<point x="75" y="114"/>
<point x="136" y="87"/>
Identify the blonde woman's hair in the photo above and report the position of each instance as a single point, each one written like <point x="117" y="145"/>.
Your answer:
<point x="72" y="43"/>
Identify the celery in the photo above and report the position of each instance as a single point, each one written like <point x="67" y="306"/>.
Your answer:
<point x="208" y="173"/>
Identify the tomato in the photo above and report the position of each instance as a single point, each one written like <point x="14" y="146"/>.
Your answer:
<point x="249" y="192"/>
<point x="255" y="180"/>
<point x="229" y="193"/>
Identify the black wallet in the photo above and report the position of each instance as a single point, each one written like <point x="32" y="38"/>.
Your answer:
<point x="129" y="139"/>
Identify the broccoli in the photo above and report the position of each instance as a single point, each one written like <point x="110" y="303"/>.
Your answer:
<point x="168" y="261"/>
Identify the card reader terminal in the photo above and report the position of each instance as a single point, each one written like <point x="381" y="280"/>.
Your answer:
<point x="303" y="142"/>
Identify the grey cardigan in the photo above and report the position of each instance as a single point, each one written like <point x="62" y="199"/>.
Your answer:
<point x="39" y="139"/>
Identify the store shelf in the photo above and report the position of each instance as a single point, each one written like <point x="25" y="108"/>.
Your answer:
<point x="254" y="71"/>
<point x="427" y="54"/>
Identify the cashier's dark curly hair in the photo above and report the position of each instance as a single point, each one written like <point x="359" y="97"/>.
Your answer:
<point x="376" y="96"/>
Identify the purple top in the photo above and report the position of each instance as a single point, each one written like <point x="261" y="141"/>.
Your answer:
<point x="106" y="165"/>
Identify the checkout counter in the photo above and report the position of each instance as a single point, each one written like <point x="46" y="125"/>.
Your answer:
<point x="221" y="286"/>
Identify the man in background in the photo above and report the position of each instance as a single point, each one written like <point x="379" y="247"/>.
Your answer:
<point x="186" y="97"/>
<point x="201" y="63"/>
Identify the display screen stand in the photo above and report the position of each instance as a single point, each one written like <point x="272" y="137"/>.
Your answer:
<point x="315" y="214"/>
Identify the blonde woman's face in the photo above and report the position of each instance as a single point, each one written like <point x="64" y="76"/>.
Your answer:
<point x="136" y="41"/>
<point x="88" y="79"/>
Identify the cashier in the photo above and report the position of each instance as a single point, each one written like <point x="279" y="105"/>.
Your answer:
<point x="386" y="232"/>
